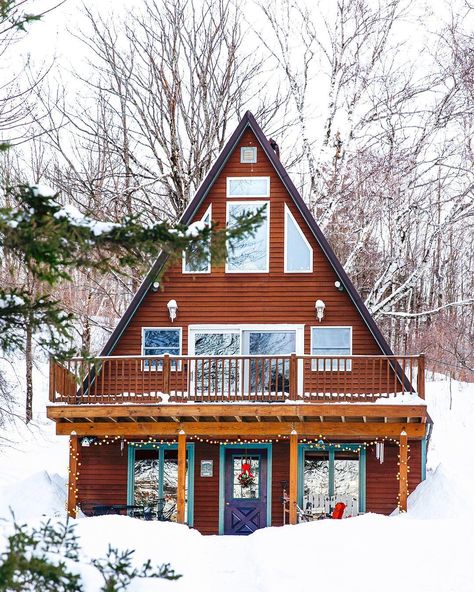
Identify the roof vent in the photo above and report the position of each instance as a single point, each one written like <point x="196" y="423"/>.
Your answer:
<point x="275" y="147"/>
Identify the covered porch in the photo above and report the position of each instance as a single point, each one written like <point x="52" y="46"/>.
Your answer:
<point x="294" y="451"/>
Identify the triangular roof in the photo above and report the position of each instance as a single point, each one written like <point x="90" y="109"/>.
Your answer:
<point x="248" y="121"/>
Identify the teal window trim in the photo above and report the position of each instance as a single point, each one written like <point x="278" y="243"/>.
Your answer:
<point x="222" y="449"/>
<point x="331" y="449"/>
<point x="424" y="443"/>
<point x="161" y="463"/>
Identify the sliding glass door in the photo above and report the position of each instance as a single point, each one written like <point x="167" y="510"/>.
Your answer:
<point x="225" y="368"/>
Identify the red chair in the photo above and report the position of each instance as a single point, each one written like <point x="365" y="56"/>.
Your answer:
<point x="338" y="511"/>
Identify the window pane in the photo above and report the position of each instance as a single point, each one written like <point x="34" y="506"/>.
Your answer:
<point x="248" y="187"/>
<point x="298" y="253"/>
<point x="316" y="482"/>
<point x="194" y="262"/>
<point x="249" y="253"/>
<point x="162" y="339"/>
<point x="252" y="490"/>
<point x="333" y="338"/>
<point x="216" y="375"/>
<point x="271" y="342"/>
<point x="146" y="477"/>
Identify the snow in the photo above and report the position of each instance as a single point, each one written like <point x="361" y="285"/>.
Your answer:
<point x="427" y="549"/>
<point x="11" y="300"/>
<point x="72" y="214"/>
<point x="43" y="190"/>
<point x="195" y="228"/>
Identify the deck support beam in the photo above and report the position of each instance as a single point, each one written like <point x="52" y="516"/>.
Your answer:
<point x="72" y="481"/>
<point x="181" y="501"/>
<point x="293" y="493"/>
<point x="403" y="472"/>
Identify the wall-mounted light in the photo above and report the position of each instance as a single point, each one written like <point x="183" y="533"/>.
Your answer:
<point x="319" y="306"/>
<point x="155" y="286"/>
<point x="172" y="309"/>
<point x="339" y="286"/>
<point x="87" y="441"/>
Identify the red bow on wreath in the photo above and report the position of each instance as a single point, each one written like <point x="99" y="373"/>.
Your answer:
<point x="246" y="478"/>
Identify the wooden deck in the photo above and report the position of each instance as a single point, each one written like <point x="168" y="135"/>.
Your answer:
<point x="234" y="379"/>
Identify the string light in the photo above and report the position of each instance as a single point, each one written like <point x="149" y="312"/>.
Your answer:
<point x="319" y="443"/>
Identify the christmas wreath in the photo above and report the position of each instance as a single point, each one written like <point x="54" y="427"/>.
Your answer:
<point x="246" y="478"/>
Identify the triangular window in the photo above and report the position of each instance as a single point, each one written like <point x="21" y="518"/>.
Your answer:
<point x="191" y="262"/>
<point x="298" y="252"/>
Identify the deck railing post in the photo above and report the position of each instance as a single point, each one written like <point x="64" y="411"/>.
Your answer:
<point x="73" y="474"/>
<point x="293" y="493"/>
<point x="420" y="379"/>
<point x="403" y="472"/>
<point x="181" y="494"/>
<point x="52" y="386"/>
<point x="166" y="374"/>
<point x="293" y="377"/>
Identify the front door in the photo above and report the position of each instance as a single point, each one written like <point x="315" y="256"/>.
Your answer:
<point x="245" y="498"/>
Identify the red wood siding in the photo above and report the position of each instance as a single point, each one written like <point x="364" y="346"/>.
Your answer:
<point x="102" y="474"/>
<point x="275" y="297"/>
<point x="381" y="481"/>
<point x="206" y="490"/>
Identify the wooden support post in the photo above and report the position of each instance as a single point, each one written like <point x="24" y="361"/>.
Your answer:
<point x="72" y="482"/>
<point x="293" y="493"/>
<point x="293" y="378"/>
<point x="181" y="501"/>
<point x="420" y="386"/>
<point x="403" y="472"/>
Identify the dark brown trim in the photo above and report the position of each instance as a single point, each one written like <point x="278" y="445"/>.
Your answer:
<point x="248" y="120"/>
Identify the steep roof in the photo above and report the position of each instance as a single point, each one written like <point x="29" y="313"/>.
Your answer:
<point x="248" y="121"/>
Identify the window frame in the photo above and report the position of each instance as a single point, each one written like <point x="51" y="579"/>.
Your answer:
<point x="208" y="212"/>
<point x="173" y="367"/>
<point x="229" y="204"/>
<point x="230" y="179"/>
<point x="285" y="250"/>
<point x="347" y="365"/>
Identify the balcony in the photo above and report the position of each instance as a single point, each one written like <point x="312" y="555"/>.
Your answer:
<point x="235" y="379"/>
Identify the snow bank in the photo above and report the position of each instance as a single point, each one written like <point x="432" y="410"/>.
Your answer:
<point x="39" y="495"/>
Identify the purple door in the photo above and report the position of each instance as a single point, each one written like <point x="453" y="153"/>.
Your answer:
<point x="245" y="503"/>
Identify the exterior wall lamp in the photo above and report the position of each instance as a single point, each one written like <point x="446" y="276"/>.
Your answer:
<point x="155" y="286"/>
<point x="319" y="306"/>
<point x="172" y="309"/>
<point x="339" y="286"/>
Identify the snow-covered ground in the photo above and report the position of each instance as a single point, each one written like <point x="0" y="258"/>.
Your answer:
<point x="428" y="549"/>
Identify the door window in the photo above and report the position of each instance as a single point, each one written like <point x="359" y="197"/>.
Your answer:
<point x="240" y="490"/>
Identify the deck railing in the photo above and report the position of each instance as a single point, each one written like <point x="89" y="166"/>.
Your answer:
<point x="227" y="379"/>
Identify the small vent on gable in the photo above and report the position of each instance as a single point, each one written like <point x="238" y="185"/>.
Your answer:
<point x="248" y="154"/>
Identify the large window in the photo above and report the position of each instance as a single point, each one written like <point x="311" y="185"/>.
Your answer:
<point x="335" y="473"/>
<point x="153" y="479"/>
<point x="298" y="252"/>
<point x="248" y="186"/>
<point x="159" y="341"/>
<point x="195" y="261"/>
<point x="248" y="254"/>
<point x="331" y="341"/>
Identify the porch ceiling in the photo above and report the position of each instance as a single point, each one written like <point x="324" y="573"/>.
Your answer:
<point x="363" y="420"/>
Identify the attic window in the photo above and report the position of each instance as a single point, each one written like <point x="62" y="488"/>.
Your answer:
<point x="248" y="254"/>
<point x="248" y="154"/>
<point x="298" y="251"/>
<point x="248" y="186"/>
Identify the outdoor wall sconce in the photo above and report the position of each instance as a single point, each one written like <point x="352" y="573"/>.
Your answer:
<point x="172" y="309"/>
<point x="319" y="306"/>
<point x="339" y="286"/>
<point x="155" y="286"/>
<point x="87" y="441"/>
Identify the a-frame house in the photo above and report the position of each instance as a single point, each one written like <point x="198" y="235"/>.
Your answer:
<point x="252" y="393"/>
